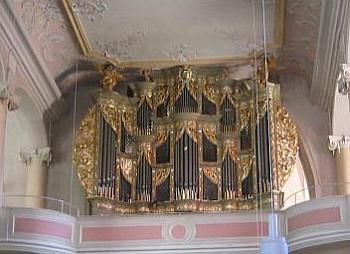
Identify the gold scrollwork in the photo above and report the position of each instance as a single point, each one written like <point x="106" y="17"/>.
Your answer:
<point x="111" y="115"/>
<point x="129" y="121"/>
<point x="287" y="145"/>
<point x="85" y="151"/>
<point x="210" y="92"/>
<point x="262" y="106"/>
<point x="244" y="117"/>
<point x="210" y="133"/>
<point x="161" y="175"/>
<point x="146" y="150"/>
<point x="111" y="75"/>
<point x="230" y="148"/>
<point x="127" y="169"/>
<point x="193" y="89"/>
<point x="191" y="129"/>
<point x="162" y="93"/>
<point x="212" y="174"/>
<point x="162" y="136"/>
<point x="178" y="88"/>
<point x="245" y="164"/>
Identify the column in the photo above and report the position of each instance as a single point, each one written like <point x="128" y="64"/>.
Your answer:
<point x="340" y="145"/>
<point x="7" y="102"/>
<point x="36" y="163"/>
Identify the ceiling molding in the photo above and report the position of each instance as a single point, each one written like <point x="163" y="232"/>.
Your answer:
<point x="43" y="86"/>
<point x="87" y="49"/>
<point x="332" y="45"/>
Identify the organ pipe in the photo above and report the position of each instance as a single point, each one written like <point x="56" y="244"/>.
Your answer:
<point x="200" y="156"/>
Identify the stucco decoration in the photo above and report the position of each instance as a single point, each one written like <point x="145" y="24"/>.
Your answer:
<point x="121" y="47"/>
<point x="302" y="20"/>
<point x="185" y="30"/>
<point x="48" y="31"/>
<point x="92" y="10"/>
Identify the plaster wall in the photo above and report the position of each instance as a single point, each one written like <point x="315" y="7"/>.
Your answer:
<point x="63" y="182"/>
<point x="25" y="130"/>
<point x="313" y="128"/>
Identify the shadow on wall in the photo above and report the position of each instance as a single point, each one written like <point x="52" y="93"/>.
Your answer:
<point x="313" y="129"/>
<point x="63" y="180"/>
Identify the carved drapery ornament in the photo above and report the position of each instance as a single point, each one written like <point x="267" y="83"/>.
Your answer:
<point x="193" y="89"/>
<point x="262" y="106"/>
<point x="126" y="167"/>
<point x="161" y="175"/>
<point x="245" y="164"/>
<point x="148" y="152"/>
<point x="178" y="89"/>
<point x="129" y="121"/>
<point x="191" y="129"/>
<point x="210" y="133"/>
<point x="111" y="115"/>
<point x="162" y="136"/>
<point x="230" y="148"/>
<point x="162" y="93"/>
<point x="210" y="92"/>
<point x="244" y="117"/>
<point x="212" y="174"/>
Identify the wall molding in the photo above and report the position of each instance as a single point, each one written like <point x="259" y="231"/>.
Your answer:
<point x="42" y="87"/>
<point x="316" y="222"/>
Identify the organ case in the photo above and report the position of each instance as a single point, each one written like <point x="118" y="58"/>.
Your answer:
<point x="190" y="140"/>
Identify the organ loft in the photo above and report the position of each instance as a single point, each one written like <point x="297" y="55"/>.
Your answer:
<point x="185" y="138"/>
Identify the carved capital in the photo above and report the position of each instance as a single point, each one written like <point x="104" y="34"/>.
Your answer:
<point x="344" y="79"/>
<point x="4" y="91"/>
<point x="43" y="154"/>
<point x="13" y="103"/>
<point x="338" y="142"/>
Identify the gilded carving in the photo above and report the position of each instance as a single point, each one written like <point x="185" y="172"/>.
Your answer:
<point x="244" y="117"/>
<point x="84" y="156"/>
<point x="162" y="93"/>
<point x="210" y="92"/>
<point x="212" y="174"/>
<point x="161" y="175"/>
<point x="126" y="167"/>
<point x="245" y="164"/>
<point x="230" y="147"/>
<point x="111" y="115"/>
<point x="162" y="135"/>
<point x="210" y="133"/>
<point x="287" y="145"/>
<point x="129" y="121"/>
<point x="193" y="88"/>
<point x="110" y="76"/>
<point x="116" y="109"/>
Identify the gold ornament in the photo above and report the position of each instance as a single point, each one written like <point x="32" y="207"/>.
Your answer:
<point x="84" y="156"/>
<point x="111" y="75"/>
<point x="286" y="144"/>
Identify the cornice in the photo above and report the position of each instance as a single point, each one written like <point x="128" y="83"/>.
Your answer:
<point x="42" y="85"/>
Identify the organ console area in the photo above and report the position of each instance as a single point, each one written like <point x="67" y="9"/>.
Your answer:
<point x="185" y="139"/>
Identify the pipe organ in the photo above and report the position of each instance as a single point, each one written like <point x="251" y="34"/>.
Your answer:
<point x="189" y="140"/>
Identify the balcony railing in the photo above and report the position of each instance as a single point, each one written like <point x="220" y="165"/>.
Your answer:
<point x="43" y="202"/>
